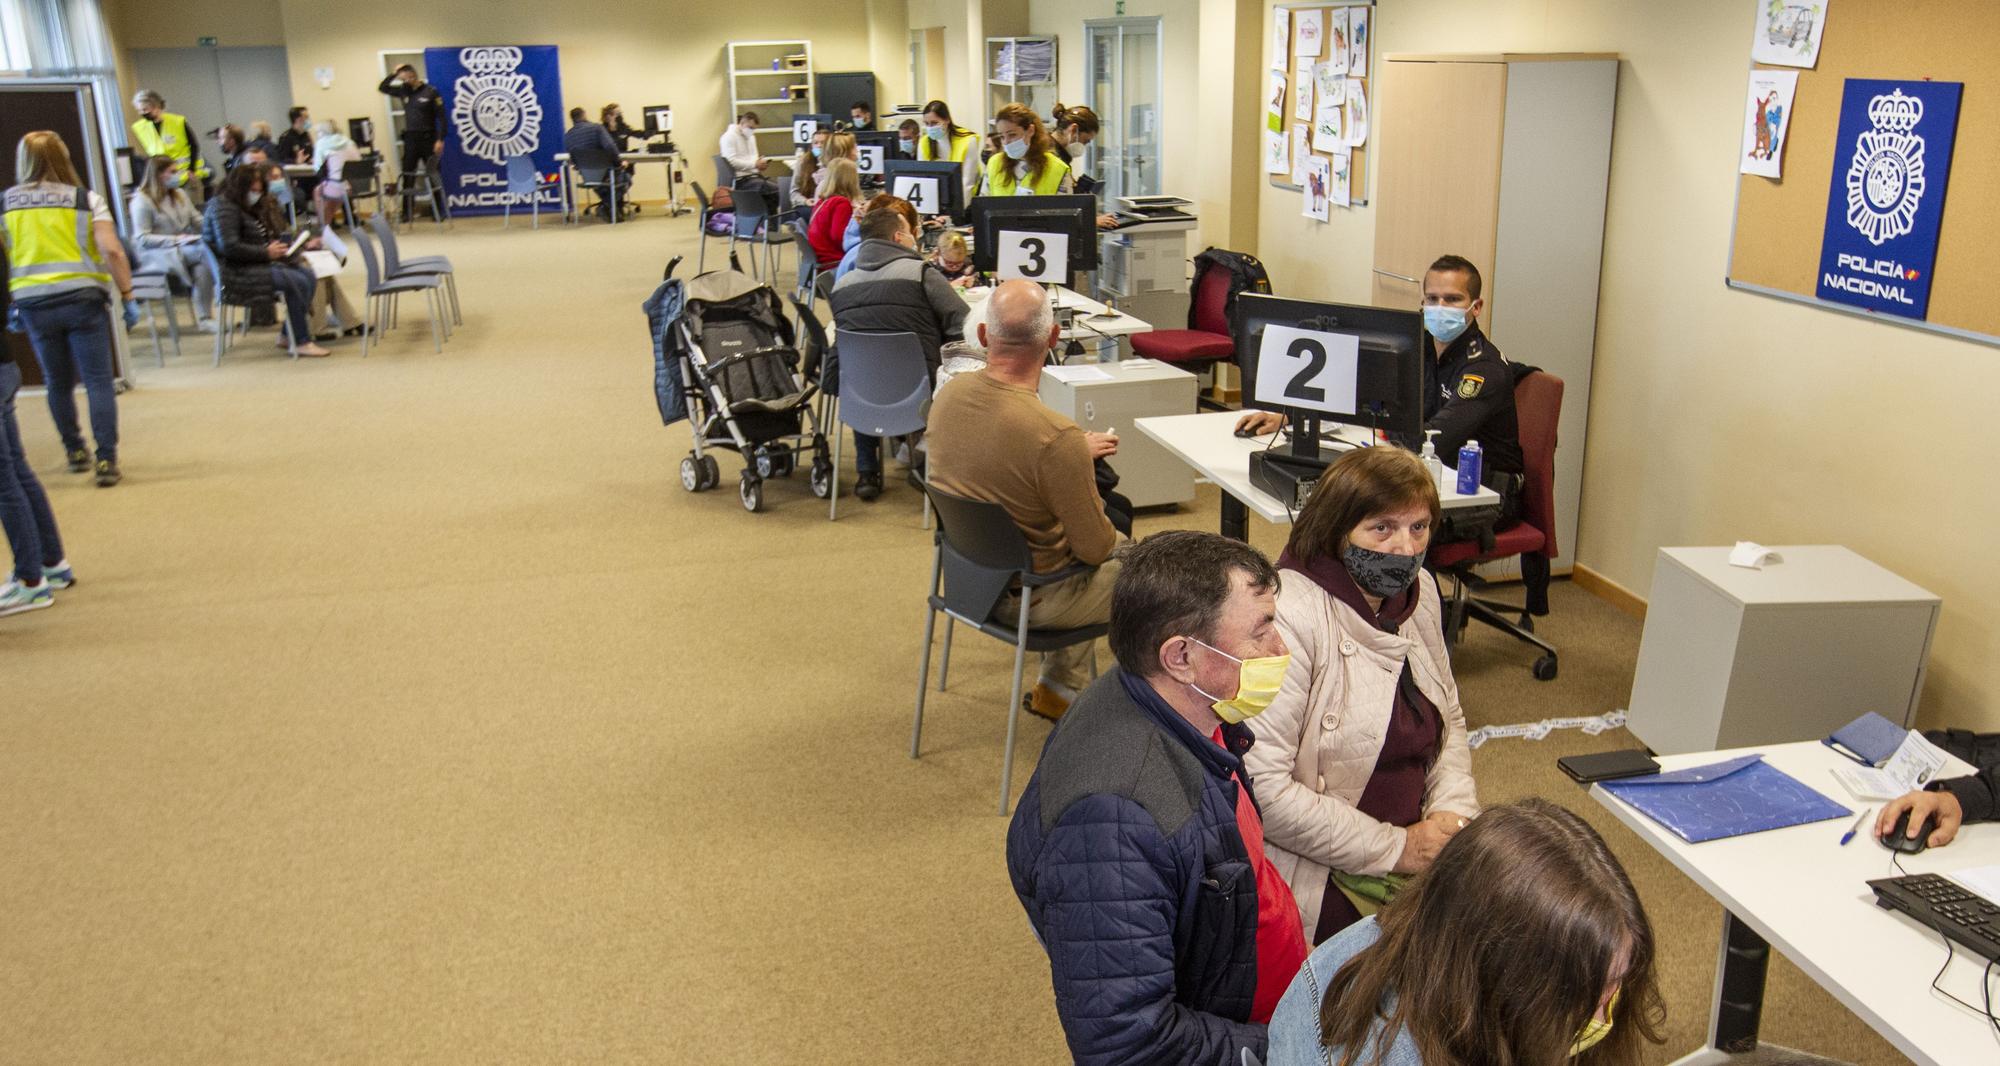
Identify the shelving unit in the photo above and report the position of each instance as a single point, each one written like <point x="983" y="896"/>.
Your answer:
<point x="1003" y="58"/>
<point x="766" y="74"/>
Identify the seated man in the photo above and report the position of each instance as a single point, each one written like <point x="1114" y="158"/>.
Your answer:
<point x="1137" y="848"/>
<point x="1953" y="801"/>
<point x="593" y="143"/>
<point x="892" y="289"/>
<point x="991" y="438"/>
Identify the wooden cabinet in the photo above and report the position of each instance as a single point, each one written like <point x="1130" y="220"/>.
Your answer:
<point x="1505" y="160"/>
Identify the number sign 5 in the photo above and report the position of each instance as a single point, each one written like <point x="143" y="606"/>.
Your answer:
<point x="1040" y="257"/>
<point x="1308" y="369"/>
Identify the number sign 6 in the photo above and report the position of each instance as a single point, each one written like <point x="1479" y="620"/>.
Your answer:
<point x="1308" y="369"/>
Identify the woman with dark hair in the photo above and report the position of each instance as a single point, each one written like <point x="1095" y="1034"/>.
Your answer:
<point x="254" y="267"/>
<point x="613" y="118"/>
<point x="947" y="140"/>
<point x="1524" y="943"/>
<point x="1027" y="163"/>
<point x="1076" y="127"/>
<point x="1361" y="763"/>
<point x="166" y="225"/>
<point x="327" y="294"/>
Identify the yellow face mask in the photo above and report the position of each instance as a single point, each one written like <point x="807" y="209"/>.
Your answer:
<point x="1257" y="685"/>
<point x="1595" y="1030"/>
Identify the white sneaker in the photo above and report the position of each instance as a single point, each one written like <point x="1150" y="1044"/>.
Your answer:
<point x="16" y="597"/>
<point x="59" y="576"/>
<point x="206" y="325"/>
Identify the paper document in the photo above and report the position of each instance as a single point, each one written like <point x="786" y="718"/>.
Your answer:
<point x="1916" y="763"/>
<point x="323" y="264"/>
<point x="1984" y="880"/>
<point x="1076" y="374"/>
<point x="1751" y="555"/>
<point x="299" y="242"/>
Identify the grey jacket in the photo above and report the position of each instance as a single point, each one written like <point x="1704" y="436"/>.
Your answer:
<point x="894" y="290"/>
<point x="1295" y="1032"/>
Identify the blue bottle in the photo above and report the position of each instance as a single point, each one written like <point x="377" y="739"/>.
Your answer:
<point x="1470" y="458"/>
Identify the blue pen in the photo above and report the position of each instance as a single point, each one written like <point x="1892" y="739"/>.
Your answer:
<point x="1853" y="829"/>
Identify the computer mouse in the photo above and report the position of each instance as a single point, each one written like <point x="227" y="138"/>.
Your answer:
<point x="1896" y="839"/>
<point x="1245" y="431"/>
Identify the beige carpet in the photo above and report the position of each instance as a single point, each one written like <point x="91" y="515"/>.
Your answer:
<point x="409" y="711"/>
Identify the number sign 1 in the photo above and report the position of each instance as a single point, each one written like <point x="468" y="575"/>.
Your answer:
<point x="1308" y="369"/>
<point x="1033" y="256"/>
<point x="870" y="158"/>
<point x="803" y="130"/>
<point x="921" y="192"/>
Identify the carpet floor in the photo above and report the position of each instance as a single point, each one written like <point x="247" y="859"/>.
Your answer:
<point x="407" y="710"/>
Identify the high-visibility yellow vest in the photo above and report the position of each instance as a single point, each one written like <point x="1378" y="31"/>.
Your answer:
<point x="927" y="147"/>
<point x="1000" y="177"/>
<point x="50" y="247"/>
<point x="171" y="139"/>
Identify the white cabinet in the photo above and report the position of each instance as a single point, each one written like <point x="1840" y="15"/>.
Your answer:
<point x="1114" y="395"/>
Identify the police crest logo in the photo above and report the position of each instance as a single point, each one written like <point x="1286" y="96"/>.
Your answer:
<point x="1885" y="177"/>
<point x="494" y="108"/>
<point x="1469" y="386"/>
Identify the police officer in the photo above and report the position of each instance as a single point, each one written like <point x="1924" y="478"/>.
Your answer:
<point x="64" y="259"/>
<point x="423" y="126"/>
<point x="161" y="132"/>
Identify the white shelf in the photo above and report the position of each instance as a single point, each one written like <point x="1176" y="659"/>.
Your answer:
<point x="746" y="93"/>
<point x="753" y="71"/>
<point x="769" y="100"/>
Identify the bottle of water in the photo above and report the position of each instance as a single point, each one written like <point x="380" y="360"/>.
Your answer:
<point x="1469" y="461"/>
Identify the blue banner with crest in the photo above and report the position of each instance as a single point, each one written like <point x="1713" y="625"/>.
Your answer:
<point x="1885" y="205"/>
<point x="499" y="101"/>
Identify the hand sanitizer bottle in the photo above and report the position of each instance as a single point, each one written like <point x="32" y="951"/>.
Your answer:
<point x="1469" y="458"/>
<point x="1431" y="461"/>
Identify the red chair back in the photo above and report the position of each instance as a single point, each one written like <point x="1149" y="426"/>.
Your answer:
<point x="1538" y="400"/>
<point x="1211" y="302"/>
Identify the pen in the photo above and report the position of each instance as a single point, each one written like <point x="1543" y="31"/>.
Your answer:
<point x="1853" y="829"/>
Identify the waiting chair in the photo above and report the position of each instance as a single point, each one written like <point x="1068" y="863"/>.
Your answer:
<point x="151" y="287"/>
<point x="808" y="264"/>
<point x="1538" y="406"/>
<point x="1200" y="348"/>
<point x="757" y="225"/>
<point x="707" y="212"/>
<point x="283" y="191"/>
<point x="816" y="361"/>
<point x="597" y="170"/>
<point x="362" y="179"/>
<point x="523" y="180"/>
<point x="421" y="186"/>
<point x="226" y="324"/>
<point x="395" y="267"/>
<point x="823" y="286"/>
<point x="981" y="554"/>
<point x="379" y="309"/>
<point x="885" y="391"/>
<point x="725" y="174"/>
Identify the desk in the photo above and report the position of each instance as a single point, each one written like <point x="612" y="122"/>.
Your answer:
<point x="1798" y="890"/>
<point x="300" y="170"/>
<point x="674" y="207"/>
<point x="1087" y="326"/>
<point x="1208" y="442"/>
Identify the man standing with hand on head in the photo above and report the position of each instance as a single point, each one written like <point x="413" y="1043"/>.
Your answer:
<point x="423" y="126"/>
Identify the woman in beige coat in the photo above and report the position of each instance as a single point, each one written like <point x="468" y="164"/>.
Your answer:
<point x="1360" y="764"/>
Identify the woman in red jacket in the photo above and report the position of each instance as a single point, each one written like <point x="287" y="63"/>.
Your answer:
<point x="836" y="207"/>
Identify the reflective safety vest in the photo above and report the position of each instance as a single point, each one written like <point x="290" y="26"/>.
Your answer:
<point x="50" y="247"/>
<point x="927" y="147"/>
<point x="1000" y="177"/>
<point x="171" y="139"/>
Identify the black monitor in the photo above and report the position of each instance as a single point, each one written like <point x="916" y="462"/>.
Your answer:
<point x="659" y="119"/>
<point x="933" y="187"/>
<point x="804" y="126"/>
<point x="361" y="131"/>
<point x="875" y="163"/>
<point x="1389" y="376"/>
<point x="1072" y="216"/>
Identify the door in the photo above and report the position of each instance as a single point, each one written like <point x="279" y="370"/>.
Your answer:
<point x="212" y="86"/>
<point x="1437" y="170"/>
<point x="1124" y="78"/>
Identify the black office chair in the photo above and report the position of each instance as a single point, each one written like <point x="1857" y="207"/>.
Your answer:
<point x="981" y="554"/>
<point x="598" y="171"/>
<point x="362" y="179"/>
<point x="757" y="224"/>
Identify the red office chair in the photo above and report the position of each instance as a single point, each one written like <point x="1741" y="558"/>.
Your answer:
<point x="1537" y="406"/>
<point x="1208" y="343"/>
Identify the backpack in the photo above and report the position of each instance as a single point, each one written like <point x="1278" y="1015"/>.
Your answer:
<point x="1246" y="274"/>
<point x="721" y="223"/>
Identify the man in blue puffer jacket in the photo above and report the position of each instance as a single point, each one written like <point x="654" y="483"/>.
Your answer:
<point x="1137" y="848"/>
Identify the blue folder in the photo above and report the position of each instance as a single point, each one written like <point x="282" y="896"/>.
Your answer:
<point x="1868" y="740"/>
<point x="1725" y="799"/>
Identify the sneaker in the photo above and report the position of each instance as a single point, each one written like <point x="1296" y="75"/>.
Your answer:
<point x="868" y="486"/>
<point x="79" y="460"/>
<point x="206" y="325"/>
<point x="16" y="597"/>
<point x="107" y="473"/>
<point x="1045" y="702"/>
<point x="59" y="576"/>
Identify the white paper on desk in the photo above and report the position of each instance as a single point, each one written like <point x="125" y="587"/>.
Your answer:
<point x="1984" y="880"/>
<point x="1075" y="374"/>
<point x="1751" y="555"/>
<point x="323" y="264"/>
<point x="1915" y="764"/>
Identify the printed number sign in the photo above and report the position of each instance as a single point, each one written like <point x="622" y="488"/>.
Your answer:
<point x="1033" y="256"/>
<point x="870" y="158"/>
<point x="803" y="130"/>
<point x="921" y="192"/>
<point x="1308" y="369"/>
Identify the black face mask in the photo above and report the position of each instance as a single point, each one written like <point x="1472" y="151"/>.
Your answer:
<point x="1381" y="573"/>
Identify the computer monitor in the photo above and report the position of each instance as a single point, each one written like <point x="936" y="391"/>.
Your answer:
<point x="1072" y="217"/>
<point x="933" y="187"/>
<point x="659" y="119"/>
<point x="874" y="149"/>
<point x="1329" y="348"/>
<point x="361" y="131"/>
<point x="804" y="126"/>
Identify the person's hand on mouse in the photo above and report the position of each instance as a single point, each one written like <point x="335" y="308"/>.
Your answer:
<point x="1258" y="423"/>
<point x="1923" y="805"/>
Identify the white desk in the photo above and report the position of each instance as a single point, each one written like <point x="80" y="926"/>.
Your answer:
<point x="1798" y="890"/>
<point x="1088" y="323"/>
<point x="674" y="207"/>
<point x="1208" y="442"/>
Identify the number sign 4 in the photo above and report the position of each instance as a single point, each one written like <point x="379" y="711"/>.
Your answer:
<point x="921" y="192"/>
<point x="1040" y="257"/>
<point x="1308" y="369"/>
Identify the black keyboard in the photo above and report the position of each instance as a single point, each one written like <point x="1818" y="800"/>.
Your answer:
<point x="1944" y="906"/>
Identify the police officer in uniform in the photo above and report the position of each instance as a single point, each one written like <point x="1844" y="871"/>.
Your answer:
<point x="161" y="132"/>
<point x="423" y="127"/>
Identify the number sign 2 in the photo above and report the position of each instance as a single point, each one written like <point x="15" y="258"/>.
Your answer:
<point x="921" y="192"/>
<point x="1308" y="369"/>
<point x="870" y="158"/>
<point x="1033" y="256"/>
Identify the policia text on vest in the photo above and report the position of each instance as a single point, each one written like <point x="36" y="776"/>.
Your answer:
<point x="51" y="250"/>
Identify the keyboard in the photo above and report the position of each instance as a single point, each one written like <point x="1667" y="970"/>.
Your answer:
<point x="1944" y="906"/>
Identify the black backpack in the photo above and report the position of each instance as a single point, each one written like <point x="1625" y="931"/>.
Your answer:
<point x="1246" y="274"/>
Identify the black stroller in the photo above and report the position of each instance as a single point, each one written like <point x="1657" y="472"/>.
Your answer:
<point x="725" y="356"/>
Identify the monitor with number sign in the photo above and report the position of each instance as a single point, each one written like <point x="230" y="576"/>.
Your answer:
<point x="874" y="163"/>
<point x="1359" y="365"/>
<point x="1074" y="218"/>
<point x="804" y="126"/>
<point x="933" y="187"/>
<point x="659" y="119"/>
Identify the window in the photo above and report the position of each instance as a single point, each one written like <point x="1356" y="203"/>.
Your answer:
<point x="64" y="39"/>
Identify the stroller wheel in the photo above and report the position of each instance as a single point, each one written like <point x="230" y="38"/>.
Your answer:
<point x="711" y="474"/>
<point x="765" y="462"/>
<point x="752" y="491"/>
<point x="822" y="478"/>
<point x="691" y="475"/>
<point x="784" y="461"/>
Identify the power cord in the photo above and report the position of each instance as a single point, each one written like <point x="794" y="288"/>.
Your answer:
<point x="1951" y="953"/>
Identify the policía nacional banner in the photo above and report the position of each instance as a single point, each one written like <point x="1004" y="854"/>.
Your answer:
<point x="1886" y="202"/>
<point x="501" y="101"/>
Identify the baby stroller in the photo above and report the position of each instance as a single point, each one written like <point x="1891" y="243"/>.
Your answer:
<point x="725" y="357"/>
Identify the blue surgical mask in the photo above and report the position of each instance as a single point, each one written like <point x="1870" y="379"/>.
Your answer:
<point x="818" y="152"/>
<point x="937" y="133"/>
<point x="907" y="145"/>
<point x="177" y="180"/>
<point x="1446" y="323"/>
<point x="253" y="196"/>
<point x="1016" y="149"/>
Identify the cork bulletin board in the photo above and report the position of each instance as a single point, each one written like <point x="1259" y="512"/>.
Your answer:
<point x="1283" y="34"/>
<point x="1775" y="247"/>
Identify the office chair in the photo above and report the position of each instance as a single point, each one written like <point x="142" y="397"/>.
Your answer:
<point x="597" y="170"/>
<point x="525" y="182"/>
<point x="1208" y="343"/>
<point x="884" y="391"/>
<point x="362" y="179"/>
<point x="981" y="554"/>
<point x="1538" y="407"/>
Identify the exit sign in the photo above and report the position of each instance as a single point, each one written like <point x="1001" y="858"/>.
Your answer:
<point x="204" y="42"/>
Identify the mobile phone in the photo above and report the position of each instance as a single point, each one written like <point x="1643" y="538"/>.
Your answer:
<point x="1608" y="765"/>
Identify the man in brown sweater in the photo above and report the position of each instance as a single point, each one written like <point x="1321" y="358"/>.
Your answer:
<point x="991" y="438"/>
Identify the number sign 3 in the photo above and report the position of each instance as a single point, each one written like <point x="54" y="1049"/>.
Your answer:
<point x="1308" y="369"/>
<point x="1040" y="257"/>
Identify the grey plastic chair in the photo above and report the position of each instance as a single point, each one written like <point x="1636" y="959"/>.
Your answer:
<point x="823" y="285"/>
<point x="816" y="361"/>
<point x="757" y="225"/>
<point x="981" y="553"/>
<point x="151" y="287"/>
<point x="885" y="391"/>
<point x="725" y="175"/>
<point x="701" y="218"/>
<point x="380" y="306"/>
<point x="525" y="182"/>
<point x="808" y="265"/>
<point x="395" y="267"/>
<point x="226" y="324"/>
